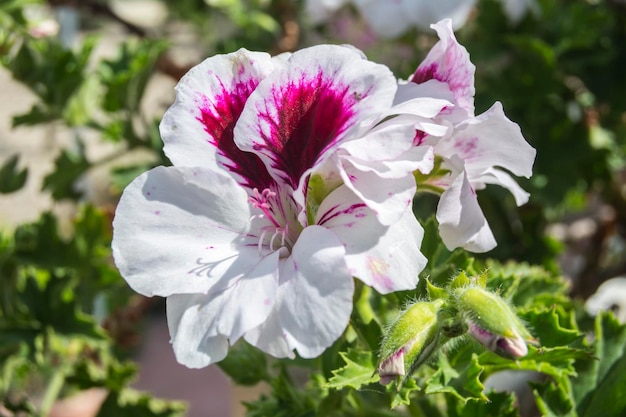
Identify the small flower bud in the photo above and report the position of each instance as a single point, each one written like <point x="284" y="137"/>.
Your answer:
<point x="409" y="341"/>
<point x="493" y="323"/>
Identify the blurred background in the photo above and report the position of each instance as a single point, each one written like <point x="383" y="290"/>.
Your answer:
<point x="83" y="85"/>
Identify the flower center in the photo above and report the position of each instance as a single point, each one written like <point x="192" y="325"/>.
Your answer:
<point x="281" y="227"/>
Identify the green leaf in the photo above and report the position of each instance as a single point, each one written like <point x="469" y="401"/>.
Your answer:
<point x="131" y="403"/>
<point x="69" y="167"/>
<point x="465" y="384"/>
<point x="125" y="77"/>
<point x="498" y="404"/>
<point x="358" y="371"/>
<point x="52" y="72"/>
<point x="601" y="383"/>
<point x="402" y="396"/>
<point x="10" y="178"/>
<point x="548" y="329"/>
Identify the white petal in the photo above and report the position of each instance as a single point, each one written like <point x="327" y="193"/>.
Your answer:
<point x="182" y="230"/>
<point x="501" y="178"/>
<point x="384" y="257"/>
<point x="430" y="88"/>
<point x="387" y="197"/>
<point x="316" y="296"/>
<point x="271" y="338"/>
<point x="489" y="140"/>
<point x="395" y="262"/>
<point x="247" y="302"/>
<point x="187" y="325"/>
<point x="383" y="142"/>
<point x="461" y="221"/>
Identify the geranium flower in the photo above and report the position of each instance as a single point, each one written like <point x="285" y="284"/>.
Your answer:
<point x="250" y="234"/>
<point x="473" y="152"/>
<point x="392" y="18"/>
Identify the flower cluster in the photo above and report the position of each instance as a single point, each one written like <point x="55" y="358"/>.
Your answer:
<point x="390" y="19"/>
<point x="293" y="174"/>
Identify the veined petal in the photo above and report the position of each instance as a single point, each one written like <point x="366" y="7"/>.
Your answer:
<point x="387" y="187"/>
<point x="489" y="140"/>
<point x="187" y="326"/>
<point x="395" y="262"/>
<point x="182" y="230"/>
<point x="449" y="62"/>
<point x="197" y="129"/>
<point x="384" y="257"/>
<point x="301" y="112"/>
<point x="387" y="197"/>
<point x="461" y="220"/>
<point x="202" y="325"/>
<point x="316" y="295"/>
<point x="259" y="289"/>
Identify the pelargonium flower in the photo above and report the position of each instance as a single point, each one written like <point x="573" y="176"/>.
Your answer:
<point x="473" y="152"/>
<point x="391" y="18"/>
<point x="250" y="234"/>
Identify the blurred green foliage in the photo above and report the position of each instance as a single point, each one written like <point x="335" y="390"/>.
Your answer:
<point x="559" y="74"/>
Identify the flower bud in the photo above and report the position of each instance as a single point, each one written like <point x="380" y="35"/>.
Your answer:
<point x="409" y="341"/>
<point x="493" y="323"/>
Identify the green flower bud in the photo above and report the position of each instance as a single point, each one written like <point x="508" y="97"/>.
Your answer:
<point x="492" y="322"/>
<point x="410" y="340"/>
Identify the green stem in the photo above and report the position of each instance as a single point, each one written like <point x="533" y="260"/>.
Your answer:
<point x="53" y="390"/>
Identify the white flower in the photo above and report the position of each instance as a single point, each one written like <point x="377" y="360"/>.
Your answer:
<point x="249" y="234"/>
<point x="392" y="18"/>
<point x="474" y="151"/>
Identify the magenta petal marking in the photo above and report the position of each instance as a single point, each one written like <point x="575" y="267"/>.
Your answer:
<point x="429" y="72"/>
<point x="309" y="119"/>
<point x="219" y="120"/>
<point x="334" y="212"/>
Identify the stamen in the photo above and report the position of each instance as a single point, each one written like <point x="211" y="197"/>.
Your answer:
<point x="261" y="239"/>
<point x="262" y="201"/>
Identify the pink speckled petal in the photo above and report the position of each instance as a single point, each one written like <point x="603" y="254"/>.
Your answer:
<point x="449" y="62"/>
<point x="486" y="141"/>
<point x="197" y="129"/>
<point x="395" y="262"/>
<point x="301" y="112"/>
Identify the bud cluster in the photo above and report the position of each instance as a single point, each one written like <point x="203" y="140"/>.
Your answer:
<point x="464" y="307"/>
